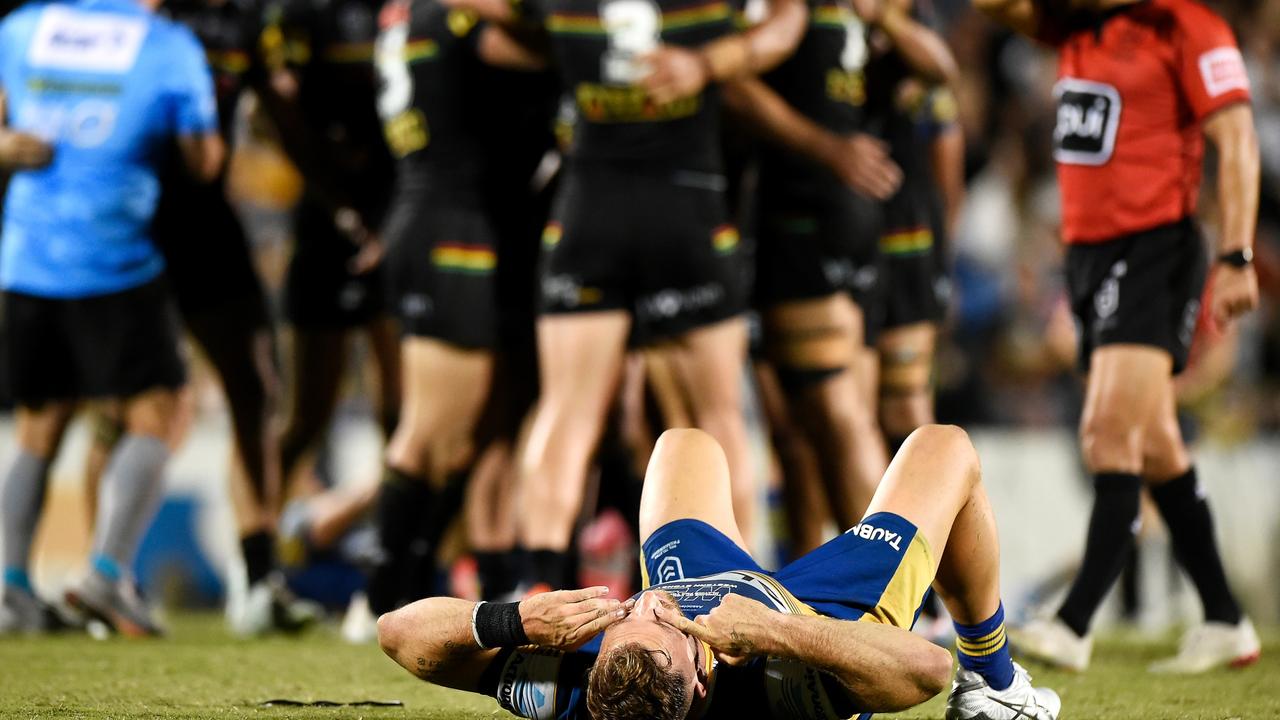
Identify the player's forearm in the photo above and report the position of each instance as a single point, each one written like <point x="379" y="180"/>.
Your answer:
<point x="775" y="120"/>
<point x="762" y="47"/>
<point x="432" y="639"/>
<point x="946" y="153"/>
<point x="924" y="50"/>
<point x="884" y="668"/>
<point x="1239" y="166"/>
<point x="1020" y="15"/>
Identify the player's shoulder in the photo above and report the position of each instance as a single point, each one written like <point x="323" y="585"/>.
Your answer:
<point x="23" y="19"/>
<point x="1192" y="16"/>
<point x="175" y="37"/>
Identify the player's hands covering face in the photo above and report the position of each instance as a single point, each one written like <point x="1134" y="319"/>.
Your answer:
<point x="737" y="629"/>
<point x="567" y="619"/>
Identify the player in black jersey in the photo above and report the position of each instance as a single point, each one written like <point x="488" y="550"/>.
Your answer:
<point x="818" y="227"/>
<point x="321" y="91"/>
<point x="918" y="119"/>
<point x="447" y="270"/>
<point x="929" y="145"/>
<point x="639" y="244"/>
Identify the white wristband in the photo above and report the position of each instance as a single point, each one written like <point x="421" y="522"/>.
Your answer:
<point x="474" y="634"/>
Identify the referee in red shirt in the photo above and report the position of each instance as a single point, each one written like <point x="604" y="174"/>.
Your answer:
<point x="1140" y="84"/>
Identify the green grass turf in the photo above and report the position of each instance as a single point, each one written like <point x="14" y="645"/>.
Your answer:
<point x="201" y="672"/>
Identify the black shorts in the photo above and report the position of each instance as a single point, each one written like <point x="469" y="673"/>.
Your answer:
<point x="320" y="290"/>
<point x="656" y="245"/>
<point x="1141" y="289"/>
<point x="915" y="278"/>
<point x="818" y="244"/>
<point x="442" y="265"/>
<point x="207" y="257"/>
<point x="108" y="346"/>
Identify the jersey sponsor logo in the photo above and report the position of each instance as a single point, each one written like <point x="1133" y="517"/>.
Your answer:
<point x="1222" y="70"/>
<point x="85" y="124"/>
<point x="671" y="568"/>
<point x="527" y="687"/>
<point x="602" y="103"/>
<point x="672" y="302"/>
<point x="1088" y="119"/>
<point x="871" y="532"/>
<point x="68" y="39"/>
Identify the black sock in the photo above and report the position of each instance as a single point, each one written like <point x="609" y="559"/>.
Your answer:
<point x="497" y="571"/>
<point x="258" y="550"/>
<point x="421" y="574"/>
<point x="550" y="567"/>
<point x="1110" y="542"/>
<point x="403" y="504"/>
<point x="1186" y="512"/>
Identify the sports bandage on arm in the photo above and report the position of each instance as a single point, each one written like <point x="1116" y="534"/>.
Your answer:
<point x="498" y="625"/>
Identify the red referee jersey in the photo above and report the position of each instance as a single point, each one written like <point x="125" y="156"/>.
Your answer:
<point x="1133" y="89"/>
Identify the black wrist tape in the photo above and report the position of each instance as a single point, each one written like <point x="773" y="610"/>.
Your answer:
<point x="498" y="625"/>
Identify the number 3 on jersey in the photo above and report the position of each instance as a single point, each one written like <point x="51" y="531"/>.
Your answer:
<point x="405" y="127"/>
<point x="633" y="28"/>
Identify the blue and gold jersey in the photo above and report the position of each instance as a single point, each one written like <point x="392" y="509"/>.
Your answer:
<point x="879" y="571"/>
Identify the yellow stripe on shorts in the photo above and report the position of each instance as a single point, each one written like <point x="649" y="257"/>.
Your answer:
<point x="905" y="591"/>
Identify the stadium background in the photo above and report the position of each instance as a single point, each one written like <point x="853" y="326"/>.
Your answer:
<point x="1004" y="370"/>
<point x="1004" y="367"/>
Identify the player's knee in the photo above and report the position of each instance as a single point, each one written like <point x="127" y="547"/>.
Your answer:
<point x="685" y="441"/>
<point x="950" y="441"/>
<point x="1110" y="442"/>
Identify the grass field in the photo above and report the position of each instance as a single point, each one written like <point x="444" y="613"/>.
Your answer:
<point x="200" y="672"/>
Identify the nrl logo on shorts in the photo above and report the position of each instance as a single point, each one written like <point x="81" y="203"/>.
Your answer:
<point x="670" y="569"/>
<point x="1107" y="300"/>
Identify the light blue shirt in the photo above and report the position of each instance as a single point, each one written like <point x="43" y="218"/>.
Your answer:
<point x="109" y="85"/>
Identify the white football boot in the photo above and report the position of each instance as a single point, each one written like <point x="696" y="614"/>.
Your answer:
<point x="973" y="699"/>
<point x="1050" y="641"/>
<point x="1213" y="645"/>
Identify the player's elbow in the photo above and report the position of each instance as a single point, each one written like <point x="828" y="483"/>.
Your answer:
<point x="934" y="672"/>
<point x="392" y="632"/>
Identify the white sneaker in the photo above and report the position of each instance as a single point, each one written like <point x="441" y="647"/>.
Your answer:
<point x="268" y="606"/>
<point x="972" y="698"/>
<point x="359" y="626"/>
<point x="1212" y="645"/>
<point x="1050" y="641"/>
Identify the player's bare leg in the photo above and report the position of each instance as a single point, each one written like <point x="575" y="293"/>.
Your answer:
<point x="804" y="496"/>
<point x="814" y="346"/>
<point x="688" y="478"/>
<point x="1126" y="389"/>
<point x="580" y="362"/>
<point x="906" y="363"/>
<point x="708" y="363"/>
<point x="427" y="461"/>
<point x="491" y="519"/>
<point x="935" y="482"/>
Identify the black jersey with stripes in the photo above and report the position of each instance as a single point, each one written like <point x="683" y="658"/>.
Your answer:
<point x="825" y="81"/>
<point x="597" y="46"/>
<point x="329" y="47"/>
<point x="430" y="75"/>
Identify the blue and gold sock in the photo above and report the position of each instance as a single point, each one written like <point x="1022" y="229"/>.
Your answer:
<point x="984" y="649"/>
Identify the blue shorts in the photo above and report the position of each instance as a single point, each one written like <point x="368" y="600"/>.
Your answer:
<point x="878" y="571"/>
